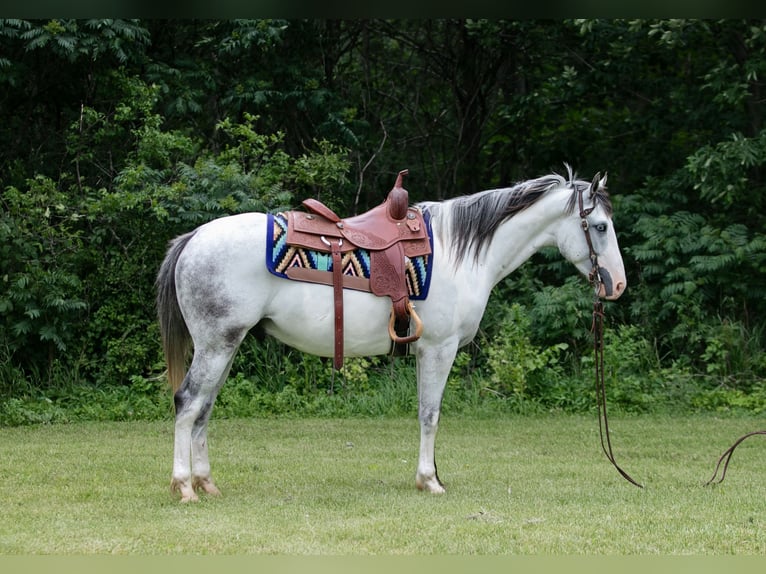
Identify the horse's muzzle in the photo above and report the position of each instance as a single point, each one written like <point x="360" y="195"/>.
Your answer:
<point x="607" y="288"/>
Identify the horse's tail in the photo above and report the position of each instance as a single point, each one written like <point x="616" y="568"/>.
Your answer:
<point x="175" y="333"/>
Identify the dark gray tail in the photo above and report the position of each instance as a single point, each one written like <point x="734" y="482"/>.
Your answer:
<point x="175" y="334"/>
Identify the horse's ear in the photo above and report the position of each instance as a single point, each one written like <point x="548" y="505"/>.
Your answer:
<point x="602" y="183"/>
<point x="595" y="183"/>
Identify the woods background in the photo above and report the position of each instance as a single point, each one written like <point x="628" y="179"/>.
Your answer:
<point x="117" y="135"/>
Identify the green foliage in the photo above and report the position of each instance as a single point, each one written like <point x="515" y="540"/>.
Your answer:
<point x="733" y="355"/>
<point x="562" y="314"/>
<point x="698" y="258"/>
<point x="514" y="362"/>
<point x="118" y="135"/>
<point x="74" y="39"/>
<point x="722" y="400"/>
<point x="725" y="174"/>
<point x="631" y="370"/>
<point x="60" y="238"/>
<point x="41" y="295"/>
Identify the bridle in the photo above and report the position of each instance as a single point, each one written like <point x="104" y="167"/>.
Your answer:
<point x="594" y="277"/>
<point x="597" y="328"/>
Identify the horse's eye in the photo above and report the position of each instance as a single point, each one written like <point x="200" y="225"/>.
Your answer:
<point x="601" y="227"/>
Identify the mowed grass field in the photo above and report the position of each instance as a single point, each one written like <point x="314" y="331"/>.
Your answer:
<point x="516" y="485"/>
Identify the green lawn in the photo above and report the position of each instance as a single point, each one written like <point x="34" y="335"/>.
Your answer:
<point x="516" y="485"/>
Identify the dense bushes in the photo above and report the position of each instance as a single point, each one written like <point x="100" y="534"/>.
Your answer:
<point x="162" y="126"/>
<point x="80" y="263"/>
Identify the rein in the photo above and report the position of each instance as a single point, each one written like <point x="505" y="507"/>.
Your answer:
<point x="597" y="328"/>
<point x="727" y="456"/>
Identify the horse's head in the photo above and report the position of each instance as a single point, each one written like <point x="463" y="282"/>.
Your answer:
<point x="587" y="237"/>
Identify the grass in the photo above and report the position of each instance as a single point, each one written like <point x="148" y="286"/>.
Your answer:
<point x="516" y="485"/>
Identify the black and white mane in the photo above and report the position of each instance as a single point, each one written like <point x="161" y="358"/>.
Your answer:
<point x="472" y="220"/>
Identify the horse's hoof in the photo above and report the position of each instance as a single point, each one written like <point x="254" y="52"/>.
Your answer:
<point x="430" y="484"/>
<point x="205" y="485"/>
<point x="185" y="489"/>
<point x="192" y="497"/>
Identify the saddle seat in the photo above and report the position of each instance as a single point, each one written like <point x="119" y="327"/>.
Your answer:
<point x="391" y="232"/>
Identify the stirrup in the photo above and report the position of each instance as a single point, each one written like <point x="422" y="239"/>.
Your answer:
<point x="410" y="338"/>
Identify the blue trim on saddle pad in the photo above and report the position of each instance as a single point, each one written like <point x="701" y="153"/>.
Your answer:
<point x="280" y="256"/>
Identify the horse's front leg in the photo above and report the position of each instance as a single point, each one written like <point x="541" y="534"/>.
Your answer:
<point x="433" y="367"/>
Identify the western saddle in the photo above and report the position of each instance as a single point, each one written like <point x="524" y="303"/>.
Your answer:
<point x="391" y="232"/>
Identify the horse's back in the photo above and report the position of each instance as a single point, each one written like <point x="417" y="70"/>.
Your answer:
<point x="224" y="286"/>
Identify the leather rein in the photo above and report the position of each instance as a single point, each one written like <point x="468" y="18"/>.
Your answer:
<point x="727" y="457"/>
<point x="597" y="328"/>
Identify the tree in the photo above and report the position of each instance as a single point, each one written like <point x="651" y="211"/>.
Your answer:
<point x="116" y="135"/>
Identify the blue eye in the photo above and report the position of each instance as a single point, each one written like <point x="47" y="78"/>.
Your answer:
<point x="601" y="227"/>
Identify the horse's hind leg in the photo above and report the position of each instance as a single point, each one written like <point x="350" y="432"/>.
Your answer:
<point x="194" y="404"/>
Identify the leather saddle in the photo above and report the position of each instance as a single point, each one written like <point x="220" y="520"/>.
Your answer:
<point x="391" y="232"/>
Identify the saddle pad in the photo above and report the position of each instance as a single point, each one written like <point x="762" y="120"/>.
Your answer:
<point x="289" y="261"/>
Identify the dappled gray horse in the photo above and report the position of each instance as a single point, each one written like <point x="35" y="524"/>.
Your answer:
<point x="214" y="286"/>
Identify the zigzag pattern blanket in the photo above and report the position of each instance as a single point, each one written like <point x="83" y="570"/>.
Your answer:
<point x="283" y="260"/>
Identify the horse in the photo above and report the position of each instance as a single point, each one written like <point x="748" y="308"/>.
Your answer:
<point x="213" y="288"/>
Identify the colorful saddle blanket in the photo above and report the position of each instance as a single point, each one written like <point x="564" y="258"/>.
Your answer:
<point x="300" y="264"/>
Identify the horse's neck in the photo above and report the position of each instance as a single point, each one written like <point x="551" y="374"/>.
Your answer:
<point x="521" y="236"/>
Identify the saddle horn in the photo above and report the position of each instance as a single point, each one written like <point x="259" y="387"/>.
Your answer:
<point x="398" y="198"/>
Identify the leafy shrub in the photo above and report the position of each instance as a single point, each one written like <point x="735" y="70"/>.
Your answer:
<point x="733" y="354"/>
<point x="562" y="314"/>
<point x="722" y="399"/>
<point x="79" y="261"/>
<point x="41" y="294"/>
<point x="515" y="364"/>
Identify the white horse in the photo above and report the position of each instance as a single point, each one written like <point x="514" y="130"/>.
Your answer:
<point x="213" y="287"/>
